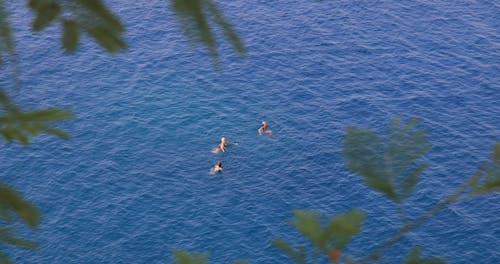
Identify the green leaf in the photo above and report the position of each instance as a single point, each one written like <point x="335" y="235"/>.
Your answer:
<point x="100" y="23"/>
<point x="57" y="132"/>
<point x="336" y="234"/>
<point x="8" y="236"/>
<point x="47" y="11"/>
<point x="183" y="257"/>
<point x="108" y="19"/>
<point x="415" y="257"/>
<point x="490" y="172"/>
<point x="298" y="255"/>
<point x="18" y="126"/>
<point x="227" y="28"/>
<point x="90" y="16"/>
<point x="364" y="153"/>
<point x="388" y="164"/>
<point x="195" y="23"/>
<point x="108" y="40"/>
<point x="71" y="35"/>
<point x="6" y="103"/>
<point x="13" y="204"/>
<point x="11" y="201"/>
<point x="341" y="229"/>
<point x="49" y="115"/>
<point x="308" y="223"/>
<point x="6" y="39"/>
<point x="195" y="16"/>
<point x="496" y="153"/>
<point x="21" y="138"/>
<point x="411" y="180"/>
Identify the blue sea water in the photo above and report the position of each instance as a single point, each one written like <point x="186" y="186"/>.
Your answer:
<point x="133" y="181"/>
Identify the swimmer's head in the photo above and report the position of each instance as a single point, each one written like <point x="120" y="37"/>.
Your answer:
<point x="223" y="139"/>
<point x="264" y="124"/>
<point x="219" y="163"/>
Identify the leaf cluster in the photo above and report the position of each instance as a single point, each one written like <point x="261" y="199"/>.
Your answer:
<point x="415" y="257"/>
<point x="487" y="177"/>
<point x="388" y="165"/>
<point x="18" y="126"/>
<point x="12" y="203"/>
<point x="77" y="16"/>
<point x="325" y="233"/>
<point x="195" y="17"/>
<point x="12" y="206"/>
<point x="6" y="40"/>
<point x="94" y="18"/>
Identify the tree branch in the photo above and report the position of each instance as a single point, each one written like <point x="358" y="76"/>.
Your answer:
<point x="417" y="222"/>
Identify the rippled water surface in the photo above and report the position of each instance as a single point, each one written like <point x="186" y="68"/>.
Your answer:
<point x="133" y="181"/>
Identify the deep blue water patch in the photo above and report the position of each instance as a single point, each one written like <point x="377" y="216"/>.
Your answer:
<point x="133" y="181"/>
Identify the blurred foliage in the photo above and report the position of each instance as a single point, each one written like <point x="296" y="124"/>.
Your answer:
<point x="326" y="234"/>
<point x="12" y="203"/>
<point x="487" y="178"/>
<point x="388" y="165"/>
<point x="18" y="126"/>
<point x="415" y="257"/>
<point x="77" y="16"/>
<point x="12" y="206"/>
<point x="195" y="17"/>
<point x="6" y="40"/>
<point x="183" y="257"/>
<point x="298" y="254"/>
<point x="95" y="19"/>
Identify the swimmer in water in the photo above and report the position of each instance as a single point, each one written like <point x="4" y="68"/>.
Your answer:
<point x="264" y="129"/>
<point x="222" y="146"/>
<point x="217" y="168"/>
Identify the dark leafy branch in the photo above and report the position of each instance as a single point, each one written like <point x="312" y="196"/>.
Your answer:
<point x="183" y="257"/>
<point x="95" y="19"/>
<point x="19" y="126"/>
<point x="6" y="40"/>
<point x="487" y="177"/>
<point x="378" y="160"/>
<point x="14" y="206"/>
<point x="77" y="16"/>
<point x="195" y="17"/>
<point x="329" y="235"/>
<point x="298" y="254"/>
<point x="388" y="165"/>
<point x="415" y="257"/>
<point x="485" y="181"/>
